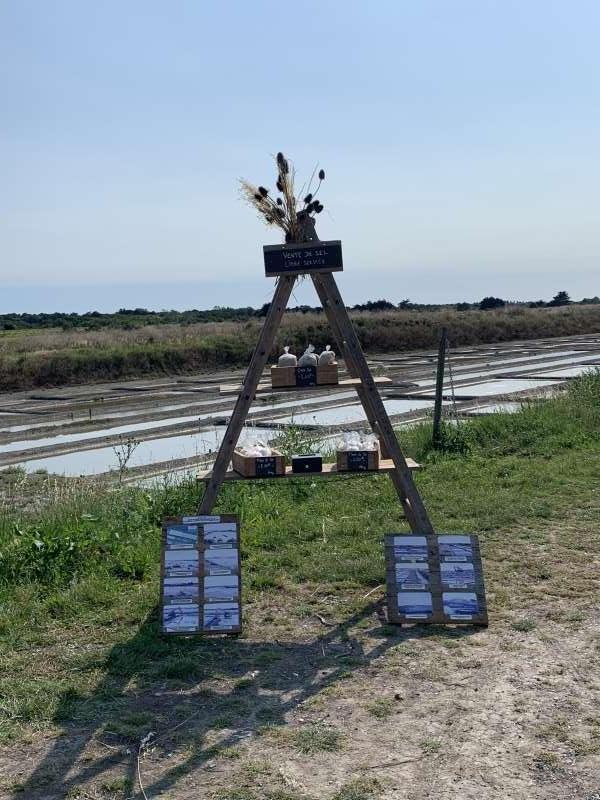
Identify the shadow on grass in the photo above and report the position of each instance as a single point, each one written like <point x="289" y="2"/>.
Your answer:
<point x="156" y="684"/>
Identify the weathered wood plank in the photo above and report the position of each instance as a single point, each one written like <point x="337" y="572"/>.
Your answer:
<point x="259" y="359"/>
<point x="266" y="388"/>
<point x="414" y="508"/>
<point x="329" y="470"/>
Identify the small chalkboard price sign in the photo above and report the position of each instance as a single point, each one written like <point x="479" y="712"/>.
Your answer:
<point x="435" y="579"/>
<point x="300" y="259"/>
<point x="265" y="466"/>
<point x="306" y="376"/>
<point x="358" y="460"/>
<point x="201" y="576"/>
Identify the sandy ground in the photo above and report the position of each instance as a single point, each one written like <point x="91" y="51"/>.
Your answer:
<point x="416" y="713"/>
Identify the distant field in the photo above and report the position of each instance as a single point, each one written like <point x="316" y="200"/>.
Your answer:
<point x="53" y="357"/>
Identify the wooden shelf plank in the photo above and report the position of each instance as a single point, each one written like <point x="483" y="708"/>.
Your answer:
<point x="266" y="388"/>
<point x="329" y="470"/>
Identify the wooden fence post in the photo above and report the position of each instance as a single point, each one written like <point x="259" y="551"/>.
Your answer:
<point x="439" y="390"/>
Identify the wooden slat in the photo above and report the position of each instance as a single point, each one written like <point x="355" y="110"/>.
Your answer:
<point x="329" y="470"/>
<point x="246" y="396"/>
<point x="414" y="508"/>
<point x="439" y="389"/>
<point x="266" y="388"/>
<point x="349" y="360"/>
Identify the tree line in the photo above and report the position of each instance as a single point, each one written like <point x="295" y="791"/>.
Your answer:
<point x="129" y="318"/>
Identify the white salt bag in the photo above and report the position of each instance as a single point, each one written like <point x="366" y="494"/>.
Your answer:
<point x="287" y="359"/>
<point x="257" y="450"/>
<point x="370" y="442"/>
<point x="351" y="441"/>
<point x="308" y="358"/>
<point x="327" y="356"/>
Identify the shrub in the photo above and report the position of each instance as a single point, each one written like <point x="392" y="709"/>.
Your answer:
<point x="491" y="302"/>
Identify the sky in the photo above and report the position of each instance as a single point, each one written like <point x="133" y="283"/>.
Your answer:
<point x="460" y="142"/>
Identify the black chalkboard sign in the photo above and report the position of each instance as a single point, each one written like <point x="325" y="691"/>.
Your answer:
<point x="298" y="259"/>
<point x="310" y="463"/>
<point x="357" y="460"/>
<point x="265" y="465"/>
<point x="306" y="376"/>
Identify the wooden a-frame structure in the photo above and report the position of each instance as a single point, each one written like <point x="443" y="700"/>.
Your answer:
<point x="349" y="348"/>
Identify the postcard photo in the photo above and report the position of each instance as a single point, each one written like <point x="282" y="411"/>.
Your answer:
<point x="410" y="548"/>
<point x="181" y="588"/>
<point x="221" y="587"/>
<point x="221" y="616"/>
<point x="455" y="547"/>
<point x="222" y="534"/>
<point x="181" y="536"/>
<point x="180" y="618"/>
<point x="219" y="561"/>
<point x="460" y="575"/>
<point x="460" y="605"/>
<point x="181" y="562"/>
<point x="412" y="576"/>
<point x="415" y="605"/>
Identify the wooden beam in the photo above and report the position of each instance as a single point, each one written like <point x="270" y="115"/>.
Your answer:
<point x="347" y="356"/>
<point x="439" y="389"/>
<point x="283" y="290"/>
<point x="414" y="508"/>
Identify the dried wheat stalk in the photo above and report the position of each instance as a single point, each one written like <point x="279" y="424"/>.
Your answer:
<point x="296" y="217"/>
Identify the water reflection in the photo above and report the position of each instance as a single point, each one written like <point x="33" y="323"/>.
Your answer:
<point x="104" y="459"/>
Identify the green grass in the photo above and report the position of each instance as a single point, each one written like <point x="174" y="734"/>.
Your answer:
<point x="79" y="577"/>
<point x="75" y="365"/>
<point x="359" y="789"/>
<point x="479" y="481"/>
<point x="317" y="738"/>
<point x="381" y="708"/>
<point x="524" y="625"/>
<point x="431" y="746"/>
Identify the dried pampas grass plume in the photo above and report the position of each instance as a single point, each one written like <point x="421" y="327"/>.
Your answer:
<point x="295" y="217"/>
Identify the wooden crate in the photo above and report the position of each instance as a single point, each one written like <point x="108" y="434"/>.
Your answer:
<point x="258" y="466"/>
<point x="283" y="376"/>
<point x="326" y="374"/>
<point x="357" y="460"/>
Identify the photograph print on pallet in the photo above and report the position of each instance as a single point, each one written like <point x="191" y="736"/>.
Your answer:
<point x="435" y="579"/>
<point x="200" y="576"/>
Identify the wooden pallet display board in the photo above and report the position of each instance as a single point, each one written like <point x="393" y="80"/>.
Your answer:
<point x="435" y="579"/>
<point x="328" y="256"/>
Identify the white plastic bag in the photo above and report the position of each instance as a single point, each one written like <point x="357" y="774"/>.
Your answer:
<point x="355" y="440"/>
<point x="287" y="359"/>
<point x="308" y="358"/>
<point x="327" y="356"/>
<point x="257" y="450"/>
<point x="370" y="442"/>
<point x="351" y="441"/>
